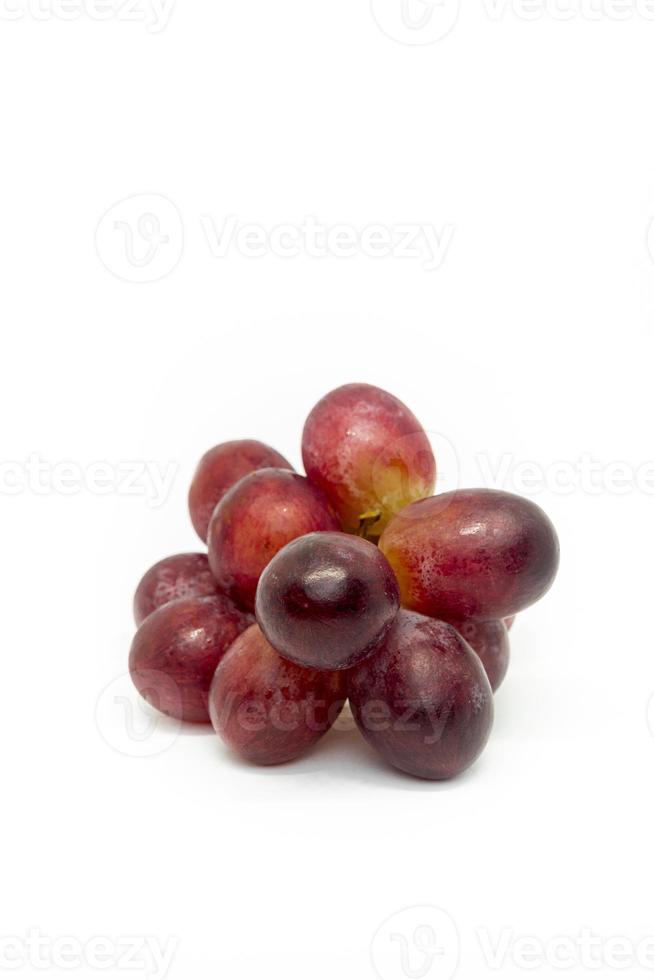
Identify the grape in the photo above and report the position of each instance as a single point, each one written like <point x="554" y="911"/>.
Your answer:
<point x="177" y="649"/>
<point x="369" y="454"/>
<point x="257" y="517"/>
<point x="220" y="469"/>
<point x="327" y="600"/>
<point x="489" y="639"/>
<point x="423" y="701"/>
<point x="177" y="577"/>
<point x="267" y="709"/>
<point x="471" y="554"/>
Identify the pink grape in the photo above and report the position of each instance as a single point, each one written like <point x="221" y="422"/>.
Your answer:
<point x="268" y="709"/>
<point x="369" y="454"/>
<point x="219" y="469"/>
<point x="257" y="517"/>
<point x="176" y="651"/>
<point x="471" y="554"/>
<point x="178" y="577"/>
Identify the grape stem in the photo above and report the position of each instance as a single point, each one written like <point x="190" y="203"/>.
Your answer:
<point x="366" y="522"/>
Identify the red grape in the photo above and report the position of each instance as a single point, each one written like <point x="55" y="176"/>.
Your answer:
<point x="218" y="471"/>
<point x="472" y="554"/>
<point x="369" y="454"/>
<point x="423" y="701"/>
<point x="327" y="600"/>
<point x="177" y="649"/>
<point x="268" y="709"/>
<point x="257" y="517"/>
<point x="178" y="577"/>
<point x="489" y="639"/>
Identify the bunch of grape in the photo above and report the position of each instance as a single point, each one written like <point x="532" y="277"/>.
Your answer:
<point x="350" y="583"/>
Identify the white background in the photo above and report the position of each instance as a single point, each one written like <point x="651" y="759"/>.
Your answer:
<point x="529" y="143"/>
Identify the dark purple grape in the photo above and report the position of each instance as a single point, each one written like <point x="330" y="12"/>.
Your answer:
<point x="489" y="638"/>
<point x="423" y="700"/>
<point x="327" y="600"/>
